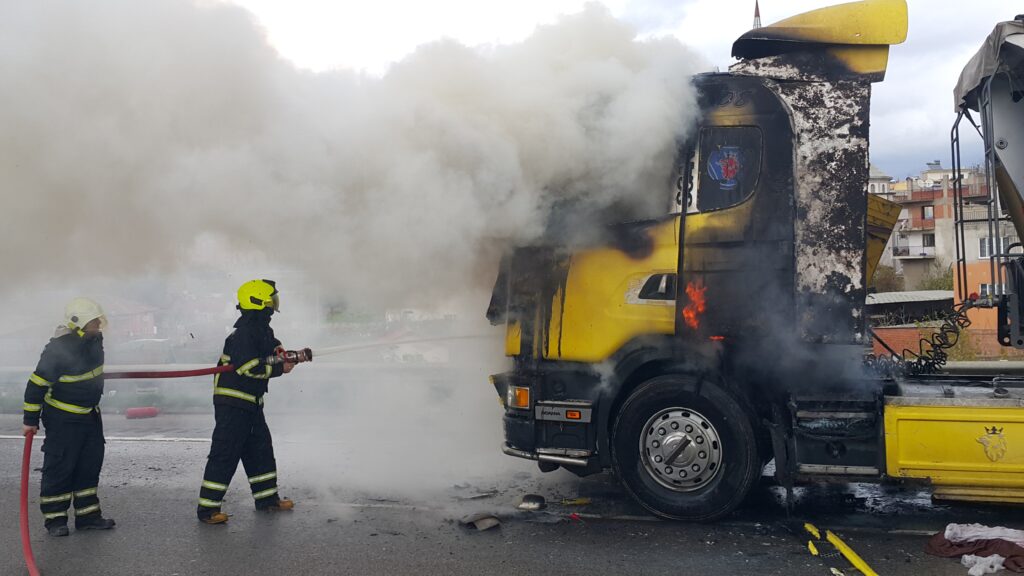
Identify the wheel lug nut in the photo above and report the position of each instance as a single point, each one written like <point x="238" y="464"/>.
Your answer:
<point x="661" y="431"/>
<point x="696" y="467"/>
<point x="689" y="428"/>
<point x="700" y="439"/>
<point x="658" y="459"/>
<point x="675" y="425"/>
<point x="702" y="454"/>
<point x="656" y="444"/>
<point x="668" y="469"/>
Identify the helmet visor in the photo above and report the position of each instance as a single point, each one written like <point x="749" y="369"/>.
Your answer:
<point x="275" y="300"/>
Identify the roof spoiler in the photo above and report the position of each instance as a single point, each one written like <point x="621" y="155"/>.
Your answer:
<point x="856" y="35"/>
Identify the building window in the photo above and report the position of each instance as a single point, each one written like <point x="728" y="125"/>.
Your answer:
<point x="928" y="212"/>
<point x="928" y="240"/>
<point x="986" y="248"/>
<point x="872" y="188"/>
<point x="991" y="290"/>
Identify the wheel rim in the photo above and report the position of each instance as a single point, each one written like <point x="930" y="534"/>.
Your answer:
<point x="680" y="449"/>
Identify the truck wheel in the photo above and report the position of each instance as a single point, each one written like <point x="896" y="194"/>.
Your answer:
<point x="685" y="448"/>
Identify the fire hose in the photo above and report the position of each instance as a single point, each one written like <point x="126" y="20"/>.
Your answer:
<point x="26" y="546"/>
<point x="280" y="356"/>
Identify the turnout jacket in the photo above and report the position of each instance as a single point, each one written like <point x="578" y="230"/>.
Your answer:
<point x="247" y="349"/>
<point x="68" y="381"/>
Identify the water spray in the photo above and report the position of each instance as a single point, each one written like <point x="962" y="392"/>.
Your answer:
<point x="281" y="355"/>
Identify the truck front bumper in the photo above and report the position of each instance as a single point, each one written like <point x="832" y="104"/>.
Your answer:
<point x="561" y="456"/>
<point x="556" y="431"/>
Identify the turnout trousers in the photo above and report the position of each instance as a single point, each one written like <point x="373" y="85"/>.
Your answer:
<point x="72" y="459"/>
<point x="243" y="435"/>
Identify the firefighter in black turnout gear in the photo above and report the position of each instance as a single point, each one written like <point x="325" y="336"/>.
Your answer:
<point x="65" y="391"/>
<point x="241" y="431"/>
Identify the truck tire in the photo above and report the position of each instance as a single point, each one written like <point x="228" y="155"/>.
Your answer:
<point x="685" y="448"/>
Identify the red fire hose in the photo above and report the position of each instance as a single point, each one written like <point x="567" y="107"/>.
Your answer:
<point x="169" y="373"/>
<point x="26" y="546"/>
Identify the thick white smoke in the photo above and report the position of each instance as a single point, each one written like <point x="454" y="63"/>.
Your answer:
<point x="133" y="129"/>
<point x="151" y="140"/>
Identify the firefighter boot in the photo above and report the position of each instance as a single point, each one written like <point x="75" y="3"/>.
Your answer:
<point x="94" y="523"/>
<point x="217" y="517"/>
<point x="57" y="528"/>
<point x="279" y="505"/>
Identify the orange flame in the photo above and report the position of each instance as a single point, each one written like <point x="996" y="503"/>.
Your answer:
<point x="693" y="310"/>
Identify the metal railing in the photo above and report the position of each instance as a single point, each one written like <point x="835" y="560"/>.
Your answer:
<point x="913" y="251"/>
<point x="916" y="223"/>
<point x="917" y="195"/>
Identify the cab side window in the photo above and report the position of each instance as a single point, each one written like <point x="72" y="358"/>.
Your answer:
<point x="729" y="161"/>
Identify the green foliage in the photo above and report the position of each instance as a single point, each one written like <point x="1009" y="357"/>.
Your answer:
<point x="887" y="280"/>
<point x="965" y="349"/>
<point x="939" y="277"/>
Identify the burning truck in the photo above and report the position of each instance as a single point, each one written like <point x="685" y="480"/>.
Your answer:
<point x="686" y="352"/>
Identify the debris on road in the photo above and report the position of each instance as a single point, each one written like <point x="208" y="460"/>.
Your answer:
<point x="532" y="502"/>
<point x="828" y="547"/>
<point x="477" y="495"/>
<point x="969" y="541"/>
<point x="481" y="521"/>
<point x="575" y="501"/>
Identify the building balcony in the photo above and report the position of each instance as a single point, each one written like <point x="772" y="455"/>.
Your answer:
<point x="909" y="197"/>
<point x="917" y="224"/>
<point x="912" y="252"/>
<point x="975" y="192"/>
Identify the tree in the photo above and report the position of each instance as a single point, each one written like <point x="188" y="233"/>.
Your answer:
<point x="939" y="277"/>
<point x="887" y="280"/>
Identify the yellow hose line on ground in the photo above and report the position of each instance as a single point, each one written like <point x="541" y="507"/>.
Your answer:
<point x="850" y="555"/>
<point x="813" y="530"/>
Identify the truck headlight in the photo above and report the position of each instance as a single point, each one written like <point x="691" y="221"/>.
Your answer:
<point x="518" y="397"/>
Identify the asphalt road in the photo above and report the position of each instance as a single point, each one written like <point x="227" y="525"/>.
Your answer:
<point x="359" y="512"/>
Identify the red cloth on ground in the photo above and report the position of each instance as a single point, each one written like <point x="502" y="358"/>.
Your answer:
<point x="938" y="546"/>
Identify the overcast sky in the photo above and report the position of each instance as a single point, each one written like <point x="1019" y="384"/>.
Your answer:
<point x="912" y="110"/>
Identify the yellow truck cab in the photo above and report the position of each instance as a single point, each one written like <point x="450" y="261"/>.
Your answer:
<point x="685" y="352"/>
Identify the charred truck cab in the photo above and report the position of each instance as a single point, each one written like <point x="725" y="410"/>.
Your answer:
<point x="686" y="352"/>
<point x="671" y="354"/>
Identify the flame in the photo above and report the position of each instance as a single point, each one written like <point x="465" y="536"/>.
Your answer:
<point x="693" y="310"/>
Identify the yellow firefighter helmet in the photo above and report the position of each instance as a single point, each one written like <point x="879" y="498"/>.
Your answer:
<point x="258" y="295"/>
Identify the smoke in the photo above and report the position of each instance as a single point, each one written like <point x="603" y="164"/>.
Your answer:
<point x="140" y="133"/>
<point x="165" y="143"/>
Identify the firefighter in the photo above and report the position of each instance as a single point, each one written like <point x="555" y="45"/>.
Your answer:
<point x="65" y="391"/>
<point x="241" y="431"/>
